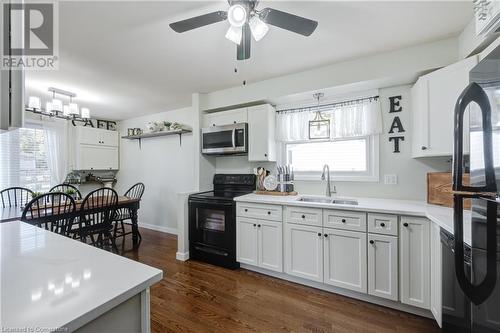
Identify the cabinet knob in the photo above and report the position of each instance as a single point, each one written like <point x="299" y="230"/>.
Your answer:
<point x="372" y="242"/>
<point x="268" y="213"/>
<point x="265" y="155"/>
<point x="234" y="122"/>
<point x="343" y="220"/>
<point x="303" y="216"/>
<point x="326" y="235"/>
<point x="254" y="225"/>
<point x="382" y="224"/>
<point x="213" y="124"/>
<point x="405" y="224"/>
<point x="246" y="210"/>
<point x="424" y="148"/>
<point x="319" y="234"/>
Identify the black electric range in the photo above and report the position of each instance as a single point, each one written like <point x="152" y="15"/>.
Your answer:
<point x="212" y="219"/>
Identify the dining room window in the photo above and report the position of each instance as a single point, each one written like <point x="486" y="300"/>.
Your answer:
<point x="24" y="159"/>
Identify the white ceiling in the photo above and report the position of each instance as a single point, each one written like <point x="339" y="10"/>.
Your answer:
<point x="123" y="60"/>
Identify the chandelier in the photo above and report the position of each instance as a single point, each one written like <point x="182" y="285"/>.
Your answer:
<point x="55" y="107"/>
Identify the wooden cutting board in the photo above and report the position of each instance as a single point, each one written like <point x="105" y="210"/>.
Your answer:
<point x="439" y="189"/>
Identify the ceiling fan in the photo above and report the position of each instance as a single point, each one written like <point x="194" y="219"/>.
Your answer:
<point x="247" y="21"/>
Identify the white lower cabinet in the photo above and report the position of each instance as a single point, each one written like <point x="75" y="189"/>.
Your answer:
<point x="415" y="261"/>
<point x="270" y="245"/>
<point x="436" y="273"/>
<point x="246" y="241"/>
<point x="304" y="251"/>
<point x="345" y="259"/>
<point x="383" y="266"/>
<point x="259" y="243"/>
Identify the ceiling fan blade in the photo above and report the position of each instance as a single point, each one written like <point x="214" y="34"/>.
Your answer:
<point x="288" y="21"/>
<point x="243" y="50"/>
<point x="198" y="21"/>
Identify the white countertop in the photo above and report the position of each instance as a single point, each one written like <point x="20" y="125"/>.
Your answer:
<point x="51" y="281"/>
<point x="442" y="216"/>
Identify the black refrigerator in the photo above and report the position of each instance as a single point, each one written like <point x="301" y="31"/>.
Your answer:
<point x="471" y="272"/>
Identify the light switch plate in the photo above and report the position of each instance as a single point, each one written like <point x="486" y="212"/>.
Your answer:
<point x="390" y="179"/>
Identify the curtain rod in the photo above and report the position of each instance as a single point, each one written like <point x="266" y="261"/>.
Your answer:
<point x="329" y="106"/>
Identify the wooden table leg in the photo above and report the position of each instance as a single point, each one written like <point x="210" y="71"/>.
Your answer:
<point x="135" y="227"/>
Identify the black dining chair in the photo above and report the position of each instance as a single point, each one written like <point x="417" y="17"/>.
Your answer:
<point x="52" y="211"/>
<point x="124" y="214"/>
<point x="65" y="188"/>
<point x="15" y="196"/>
<point x="94" y="226"/>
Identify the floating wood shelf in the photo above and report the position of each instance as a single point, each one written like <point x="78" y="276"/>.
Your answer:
<point x="156" y="134"/>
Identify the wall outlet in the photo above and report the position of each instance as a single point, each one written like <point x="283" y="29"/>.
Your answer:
<point x="390" y="179"/>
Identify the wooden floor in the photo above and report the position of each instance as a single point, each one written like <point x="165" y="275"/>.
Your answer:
<point x="197" y="297"/>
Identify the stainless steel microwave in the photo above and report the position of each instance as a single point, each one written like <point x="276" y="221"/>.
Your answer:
<point x="225" y="140"/>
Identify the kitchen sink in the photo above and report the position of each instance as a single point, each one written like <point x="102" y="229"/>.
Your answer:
<point x="314" y="199"/>
<point x="344" y="202"/>
<point x="333" y="201"/>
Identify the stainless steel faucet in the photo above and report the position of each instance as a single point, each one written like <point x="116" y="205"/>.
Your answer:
<point x="326" y="175"/>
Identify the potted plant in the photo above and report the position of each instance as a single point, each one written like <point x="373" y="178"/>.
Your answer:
<point x="71" y="193"/>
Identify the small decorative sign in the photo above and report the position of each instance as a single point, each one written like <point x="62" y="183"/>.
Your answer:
<point x="99" y="123"/>
<point x="396" y="125"/>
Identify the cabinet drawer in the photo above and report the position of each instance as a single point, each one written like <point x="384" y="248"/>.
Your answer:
<point x="344" y="220"/>
<point x="302" y="215"/>
<point x="385" y="224"/>
<point x="259" y="211"/>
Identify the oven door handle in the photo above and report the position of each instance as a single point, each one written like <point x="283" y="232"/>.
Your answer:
<point x="233" y="138"/>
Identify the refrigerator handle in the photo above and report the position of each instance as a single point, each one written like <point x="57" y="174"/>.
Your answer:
<point x="477" y="292"/>
<point x="473" y="93"/>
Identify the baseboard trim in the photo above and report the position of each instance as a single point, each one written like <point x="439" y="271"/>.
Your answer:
<point x="344" y="292"/>
<point x="182" y="256"/>
<point x="167" y="230"/>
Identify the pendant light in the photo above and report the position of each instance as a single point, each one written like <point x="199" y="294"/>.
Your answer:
<point x="34" y="103"/>
<point x="85" y="113"/>
<point x="319" y="127"/>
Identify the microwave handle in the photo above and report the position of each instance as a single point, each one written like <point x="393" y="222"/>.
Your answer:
<point x="233" y="138"/>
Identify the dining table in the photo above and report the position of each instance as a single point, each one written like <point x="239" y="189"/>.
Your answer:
<point x="14" y="213"/>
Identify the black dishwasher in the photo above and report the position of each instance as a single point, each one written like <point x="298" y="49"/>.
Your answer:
<point x="456" y="307"/>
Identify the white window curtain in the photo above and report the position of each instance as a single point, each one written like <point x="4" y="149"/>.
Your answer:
<point x="357" y="118"/>
<point x="56" y="139"/>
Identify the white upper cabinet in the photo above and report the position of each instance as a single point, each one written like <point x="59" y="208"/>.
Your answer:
<point x="222" y="118"/>
<point x="261" y="133"/>
<point x="95" y="149"/>
<point x="433" y="104"/>
<point x="96" y="136"/>
<point x="345" y="259"/>
<point x="414" y="256"/>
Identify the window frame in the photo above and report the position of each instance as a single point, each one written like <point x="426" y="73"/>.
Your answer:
<point x="372" y="152"/>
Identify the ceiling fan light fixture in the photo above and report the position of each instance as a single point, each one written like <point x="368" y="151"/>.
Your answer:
<point x="237" y="15"/>
<point x="258" y="27"/>
<point x="234" y="34"/>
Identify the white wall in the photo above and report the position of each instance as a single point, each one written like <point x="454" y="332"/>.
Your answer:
<point x="162" y="165"/>
<point x="411" y="172"/>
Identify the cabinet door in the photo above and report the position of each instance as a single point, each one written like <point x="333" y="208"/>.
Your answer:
<point x="261" y="137"/>
<point x="109" y="138"/>
<point x="415" y="261"/>
<point x="270" y="245"/>
<point x="436" y="273"/>
<point x="420" y="117"/>
<point x="304" y="251"/>
<point x="229" y="117"/>
<point x="246" y="241"/>
<point x="88" y="135"/>
<point x="345" y="259"/>
<point x="445" y="86"/>
<point x="91" y="157"/>
<point x="383" y="266"/>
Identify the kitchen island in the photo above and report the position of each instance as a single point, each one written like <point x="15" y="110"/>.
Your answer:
<point x="53" y="283"/>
